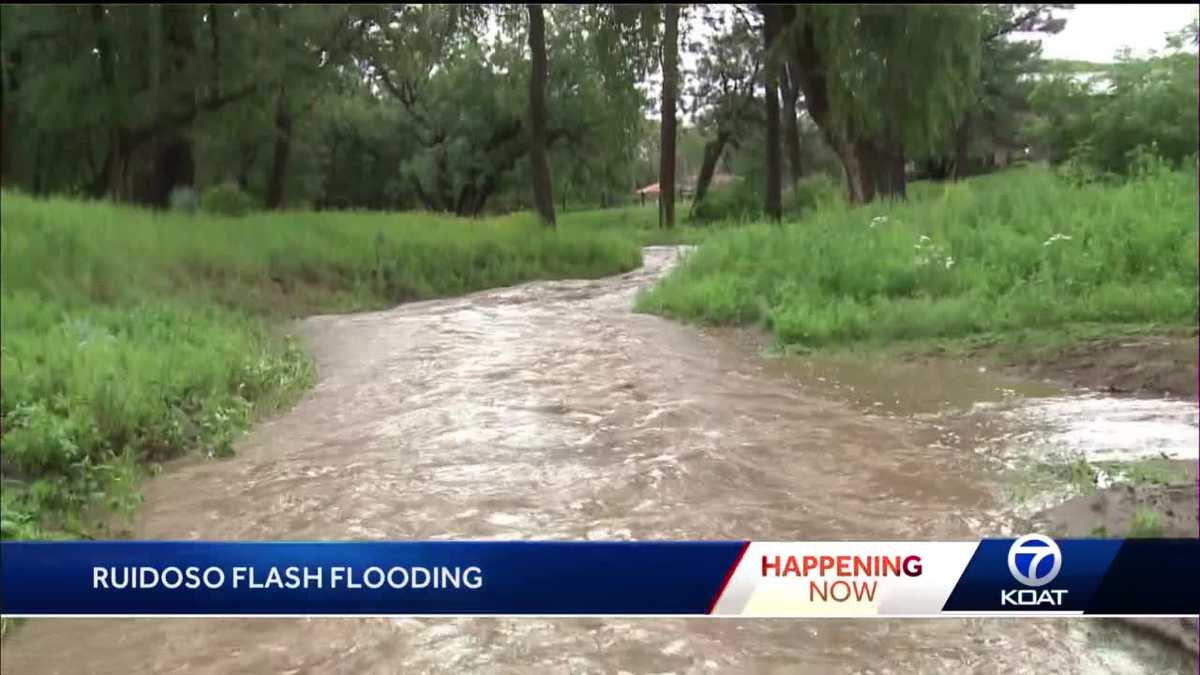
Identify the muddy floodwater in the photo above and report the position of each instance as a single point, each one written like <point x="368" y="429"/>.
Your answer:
<point x="550" y="410"/>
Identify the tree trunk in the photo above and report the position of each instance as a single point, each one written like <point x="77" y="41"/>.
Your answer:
<point x="161" y="165"/>
<point x="712" y="154"/>
<point x="10" y="62"/>
<point x="543" y="196"/>
<point x="890" y="177"/>
<point x="276" y="197"/>
<point x="670" y="87"/>
<point x="773" y="206"/>
<point x="863" y="172"/>
<point x="791" y="125"/>
<point x="962" y="156"/>
<point x="4" y="124"/>
<point x="869" y="163"/>
<point x="893" y="181"/>
<point x="246" y="155"/>
<point x="116" y="166"/>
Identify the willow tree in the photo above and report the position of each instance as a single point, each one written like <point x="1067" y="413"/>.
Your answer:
<point x="881" y="81"/>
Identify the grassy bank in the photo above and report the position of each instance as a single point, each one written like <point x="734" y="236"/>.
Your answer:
<point x="996" y="256"/>
<point x="129" y="336"/>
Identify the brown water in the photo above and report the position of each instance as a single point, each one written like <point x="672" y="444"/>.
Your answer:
<point x="551" y="411"/>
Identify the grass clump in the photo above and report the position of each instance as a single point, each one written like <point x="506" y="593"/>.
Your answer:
<point x="129" y="336"/>
<point x="1146" y="523"/>
<point x="997" y="254"/>
<point x="227" y="199"/>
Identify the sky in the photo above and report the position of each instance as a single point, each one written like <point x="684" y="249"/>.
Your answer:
<point x="1096" y="32"/>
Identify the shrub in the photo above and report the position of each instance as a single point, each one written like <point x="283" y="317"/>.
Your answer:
<point x="743" y="201"/>
<point x="729" y="203"/>
<point x="811" y="192"/>
<point x="227" y="199"/>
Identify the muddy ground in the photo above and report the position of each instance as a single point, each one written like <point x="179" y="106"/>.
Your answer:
<point x="1144" y="366"/>
<point x="1113" y="509"/>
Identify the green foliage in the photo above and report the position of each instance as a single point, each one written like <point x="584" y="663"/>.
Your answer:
<point x="738" y="202"/>
<point x="1113" y="122"/>
<point x="995" y="119"/>
<point x="1148" y="472"/>
<point x="906" y="71"/>
<point x="465" y="105"/>
<point x="227" y="199"/>
<point x="131" y="336"/>
<point x="742" y="201"/>
<point x="999" y="253"/>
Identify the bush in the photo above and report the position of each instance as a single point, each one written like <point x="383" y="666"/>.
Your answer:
<point x="743" y="201"/>
<point x="227" y="199"/>
<point x="811" y="192"/>
<point x="736" y="202"/>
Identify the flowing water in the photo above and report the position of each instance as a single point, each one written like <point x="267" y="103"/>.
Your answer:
<point x="551" y="411"/>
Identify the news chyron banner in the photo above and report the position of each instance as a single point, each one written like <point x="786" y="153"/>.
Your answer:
<point x="1031" y="575"/>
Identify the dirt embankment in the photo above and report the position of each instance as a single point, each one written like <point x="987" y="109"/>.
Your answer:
<point x="1145" y="366"/>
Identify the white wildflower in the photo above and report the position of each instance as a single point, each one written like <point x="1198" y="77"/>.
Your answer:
<point x="949" y="262"/>
<point x="878" y="220"/>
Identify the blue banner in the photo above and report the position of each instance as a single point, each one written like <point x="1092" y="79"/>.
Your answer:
<point x="1033" y="574"/>
<point x="154" y="578"/>
<point x="1085" y="576"/>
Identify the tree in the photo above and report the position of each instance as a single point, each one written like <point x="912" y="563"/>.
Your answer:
<point x="1114" y="122"/>
<point x="313" y="41"/>
<point x="670" y="95"/>
<point x="881" y="82"/>
<point x="723" y="92"/>
<point x="772" y="27"/>
<point x="1002" y="98"/>
<point x="790" y="91"/>
<point x="543" y="196"/>
<point x="107" y="95"/>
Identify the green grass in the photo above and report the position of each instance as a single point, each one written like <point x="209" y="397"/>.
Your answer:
<point x="637" y="222"/>
<point x="1146" y="523"/>
<point x="994" y="256"/>
<point x="129" y="336"/>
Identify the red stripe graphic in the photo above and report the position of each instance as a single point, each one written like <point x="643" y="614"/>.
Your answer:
<point x="728" y="575"/>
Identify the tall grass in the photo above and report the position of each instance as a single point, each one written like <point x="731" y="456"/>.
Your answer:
<point x="129" y="336"/>
<point x="1016" y="250"/>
